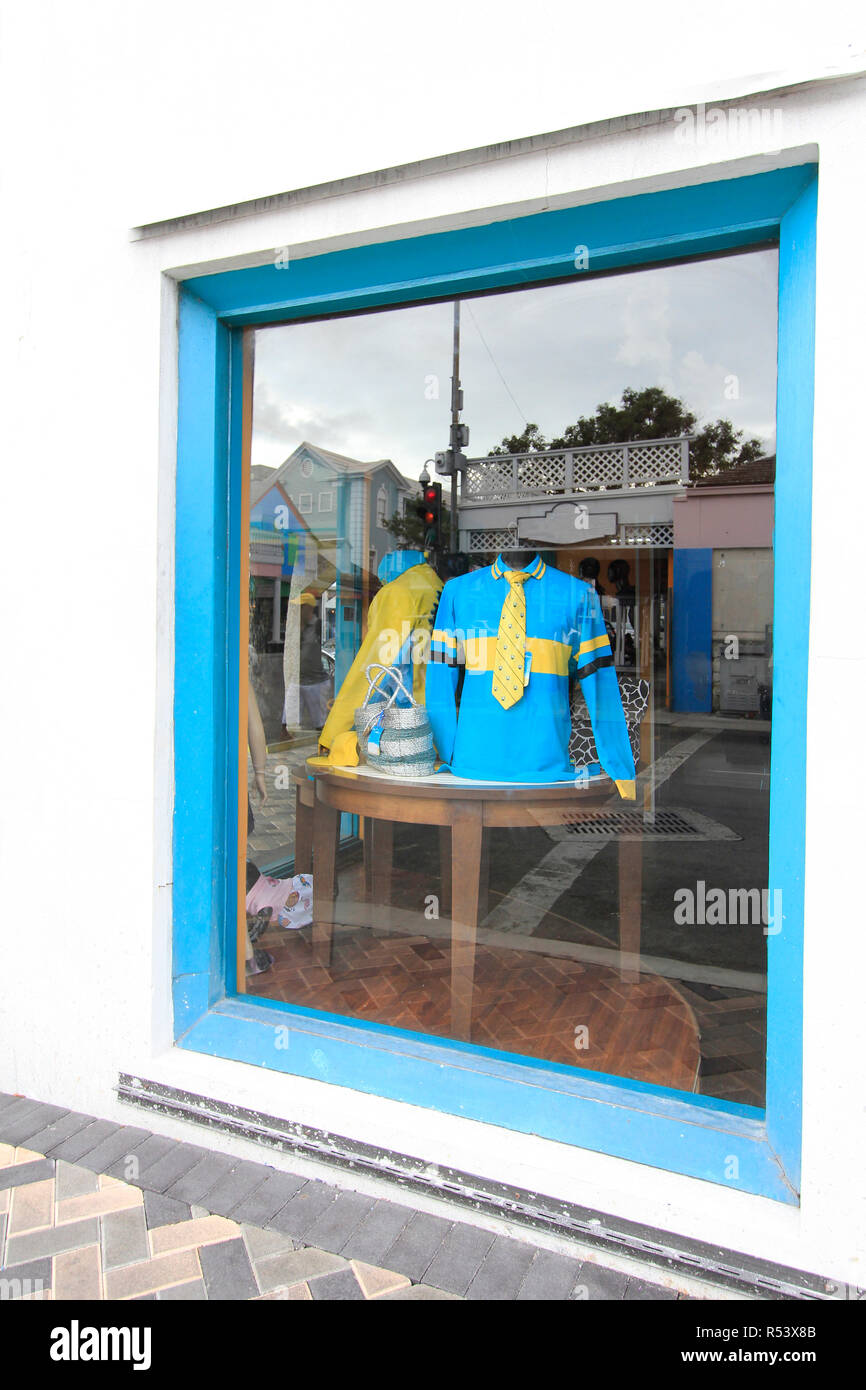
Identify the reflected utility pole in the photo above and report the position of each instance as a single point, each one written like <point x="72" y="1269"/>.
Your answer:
<point x="451" y="461"/>
<point x="456" y="405"/>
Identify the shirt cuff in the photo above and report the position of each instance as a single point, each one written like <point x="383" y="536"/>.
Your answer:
<point x="626" y="790"/>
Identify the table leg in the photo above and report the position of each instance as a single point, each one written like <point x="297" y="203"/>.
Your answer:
<point x="466" y="838"/>
<point x="303" y="836"/>
<point x="368" y="858"/>
<point x="326" y="831"/>
<point x="630" y="883"/>
<point x="445" y="871"/>
<point x="382" y="856"/>
<point x="484" y="877"/>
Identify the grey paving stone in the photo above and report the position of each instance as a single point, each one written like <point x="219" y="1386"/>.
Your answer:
<point x="641" y="1289"/>
<point x="45" y="1140"/>
<point x="128" y="1164"/>
<point x="341" y="1285"/>
<point x="193" y="1291"/>
<point x="17" y="1108"/>
<point x="25" y="1277"/>
<point x="144" y="1298"/>
<point x="376" y="1233"/>
<point x="332" y="1229"/>
<point x="19" y="1173"/>
<point x="160" y="1174"/>
<point x="415" y="1293"/>
<point x="72" y="1181"/>
<point x="124" y="1238"/>
<point x="600" y="1283"/>
<point x="241" y="1181"/>
<point x="160" y="1210"/>
<point x="293" y="1267"/>
<point x="502" y="1272"/>
<point x="227" y="1271"/>
<point x="299" y="1213"/>
<point x="459" y="1258"/>
<point x="114" y="1149"/>
<point x="416" y="1245"/>
<point x="193" y="1185"/>
<point x="261" y="1243"/>
<point x="6" y="1099"/>
<point x="19" y="1126"/>
<point x="258" y="1208"/>
<point x="35" y="1245"/>
<point x="80" y="1143"/>
<point x="550" y="1278"/>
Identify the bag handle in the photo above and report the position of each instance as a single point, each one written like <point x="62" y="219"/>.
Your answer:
<point x="393" y="673"/>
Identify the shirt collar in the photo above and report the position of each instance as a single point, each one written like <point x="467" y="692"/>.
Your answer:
<point x="535" y="570"/>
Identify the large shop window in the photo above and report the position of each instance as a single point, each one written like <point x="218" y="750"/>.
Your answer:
<point x="504" y="750"/>
<point x="623" y="901"/>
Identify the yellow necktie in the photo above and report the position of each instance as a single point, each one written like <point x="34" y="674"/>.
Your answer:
<point x="508" y="663"/>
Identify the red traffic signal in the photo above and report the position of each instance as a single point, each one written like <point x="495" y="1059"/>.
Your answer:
<point x="430" y="512"/>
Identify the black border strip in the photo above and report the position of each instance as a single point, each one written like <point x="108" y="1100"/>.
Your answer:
<point x="593" y="666"/>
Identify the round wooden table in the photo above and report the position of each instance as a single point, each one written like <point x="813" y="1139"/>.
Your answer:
<point x="463" y="811"/>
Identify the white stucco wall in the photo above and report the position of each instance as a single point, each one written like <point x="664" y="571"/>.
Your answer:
<point x="121" y="117"/>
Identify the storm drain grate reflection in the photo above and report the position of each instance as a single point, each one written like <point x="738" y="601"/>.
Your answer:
<point x="648" y="825"/>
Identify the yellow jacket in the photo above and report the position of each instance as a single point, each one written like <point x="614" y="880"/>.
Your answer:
<point x="406" y="605"/>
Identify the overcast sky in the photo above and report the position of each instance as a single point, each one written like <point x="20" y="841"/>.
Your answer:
<point x="366" y="385"/>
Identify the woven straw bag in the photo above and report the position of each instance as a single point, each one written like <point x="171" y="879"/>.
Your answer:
<point x="397" y="739"/>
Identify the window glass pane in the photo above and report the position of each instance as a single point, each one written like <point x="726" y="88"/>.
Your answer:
<point x="602" y="811"/>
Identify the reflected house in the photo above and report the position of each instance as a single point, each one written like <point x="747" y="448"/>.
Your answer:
<point x="723" y="591"/>
<point x="610" y="494"/>
<point x="316" y="526"/>
<point x="612" y="502"/>
<point x="699" y="554"/>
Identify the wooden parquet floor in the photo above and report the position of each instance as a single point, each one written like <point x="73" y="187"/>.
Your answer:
<point x="541" y="1006"/>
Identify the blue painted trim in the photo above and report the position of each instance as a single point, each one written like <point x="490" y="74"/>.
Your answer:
<point x="625" y="1121"/>
<point x="201" y="750"/>
<point x="792" y="567"/>
<point x="365" y="1032"/>
<point x="697" y="1136"/>
<point x="649" y="227"/>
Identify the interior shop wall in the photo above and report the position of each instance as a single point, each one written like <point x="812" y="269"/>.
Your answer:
<point x="88" y="361"/>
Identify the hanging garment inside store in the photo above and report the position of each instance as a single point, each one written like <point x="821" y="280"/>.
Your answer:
<point x="310" y="694"/>
<point x="398" y="627"/>
<point x="307" y="689"/>
<point x="520" y="634"/>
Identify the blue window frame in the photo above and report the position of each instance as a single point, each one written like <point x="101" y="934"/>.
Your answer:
<point x="735" y="1145"/>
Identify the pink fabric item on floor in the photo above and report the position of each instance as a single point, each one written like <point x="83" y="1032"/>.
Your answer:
<point x="270" y="892"/>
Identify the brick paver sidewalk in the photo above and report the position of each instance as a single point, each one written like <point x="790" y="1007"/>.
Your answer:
<point x="94" y="1210"/>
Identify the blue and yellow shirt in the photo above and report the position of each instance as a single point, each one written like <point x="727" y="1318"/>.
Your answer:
<point x="565" y="636"/>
